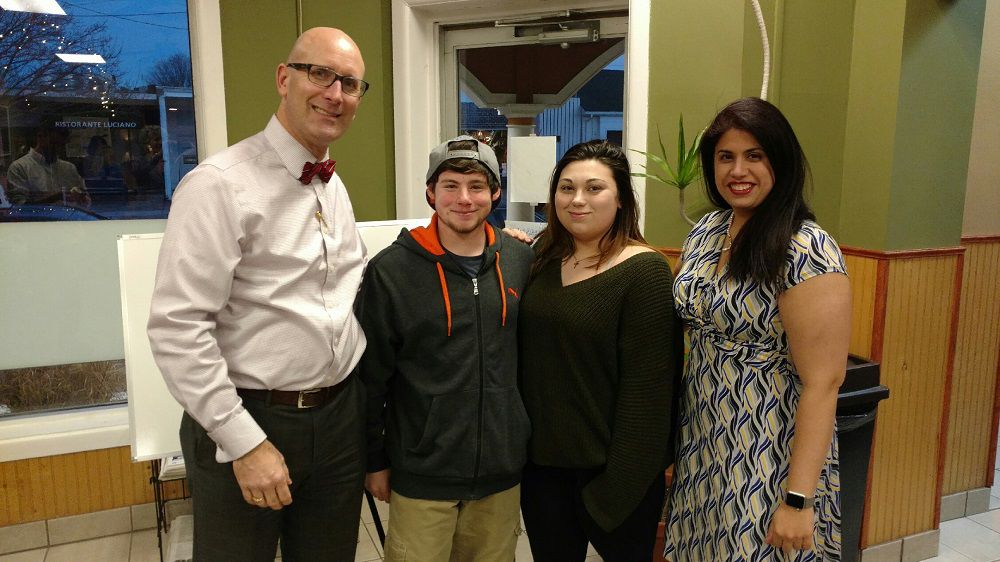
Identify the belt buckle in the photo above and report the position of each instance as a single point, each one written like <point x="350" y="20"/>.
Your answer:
<point x="303" y="394"/>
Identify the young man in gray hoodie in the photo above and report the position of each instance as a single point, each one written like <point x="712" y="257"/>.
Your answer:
<point x="447" y="432"/>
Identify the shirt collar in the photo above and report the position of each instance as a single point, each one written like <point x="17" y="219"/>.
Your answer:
<point x="37" y="157"/>
<point x="292" y="154"/>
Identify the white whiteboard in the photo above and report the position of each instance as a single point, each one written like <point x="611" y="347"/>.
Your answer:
<point x="154" y="415"/>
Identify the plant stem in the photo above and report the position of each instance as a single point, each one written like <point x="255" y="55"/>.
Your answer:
<point x="680" y="208"/>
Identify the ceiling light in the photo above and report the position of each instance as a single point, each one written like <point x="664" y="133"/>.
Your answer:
<point x="34" y="6"/>
<point x="75" y="58"/>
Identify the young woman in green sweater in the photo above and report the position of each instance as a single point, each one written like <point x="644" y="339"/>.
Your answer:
<point x="600" y="361"/>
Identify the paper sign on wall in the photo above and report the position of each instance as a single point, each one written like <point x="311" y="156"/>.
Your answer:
<point x="530" y="161"/>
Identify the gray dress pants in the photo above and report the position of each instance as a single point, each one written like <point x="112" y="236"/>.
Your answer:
<point x="325" y="453"/>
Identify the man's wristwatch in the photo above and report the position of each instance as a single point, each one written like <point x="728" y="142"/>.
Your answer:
<point x="798" y="501"/>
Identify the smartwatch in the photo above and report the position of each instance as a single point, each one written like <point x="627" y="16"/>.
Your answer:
<point x="798" y="501"/>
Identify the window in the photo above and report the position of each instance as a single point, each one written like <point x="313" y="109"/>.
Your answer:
<point x="96" y="110"/>
<point x="61" y="326"/>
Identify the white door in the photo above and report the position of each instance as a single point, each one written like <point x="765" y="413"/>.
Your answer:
<point x="427" y="96"/>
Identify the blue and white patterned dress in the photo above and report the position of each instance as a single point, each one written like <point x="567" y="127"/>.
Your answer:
<point x="738" y="408"/>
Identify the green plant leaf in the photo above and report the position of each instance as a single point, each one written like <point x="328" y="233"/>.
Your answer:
<point x="654" y="177"/>
<point x="659" y="139"/>
<point x="680" y="144"/>
<point x="658" y="167"/>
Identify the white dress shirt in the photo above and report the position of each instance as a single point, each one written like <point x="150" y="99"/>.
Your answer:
<point x="31" y="178"/>
<point x="255" y="285"/>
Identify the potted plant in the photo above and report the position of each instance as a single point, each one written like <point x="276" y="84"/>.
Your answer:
<point x="687" y="171"/>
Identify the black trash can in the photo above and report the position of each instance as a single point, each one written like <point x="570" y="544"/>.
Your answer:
<point x="857" y="404"/>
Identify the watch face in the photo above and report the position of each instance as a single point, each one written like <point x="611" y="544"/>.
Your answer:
<point x="797" y="501"/>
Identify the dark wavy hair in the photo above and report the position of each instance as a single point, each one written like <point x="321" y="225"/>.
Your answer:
<point x="556" y="243"/>
<point x="759" y="250"/>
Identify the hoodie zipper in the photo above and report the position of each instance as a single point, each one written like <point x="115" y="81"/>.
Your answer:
<point x="482" y="382"/>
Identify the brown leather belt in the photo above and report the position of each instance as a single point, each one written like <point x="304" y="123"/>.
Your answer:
<point x="303" y="399"/>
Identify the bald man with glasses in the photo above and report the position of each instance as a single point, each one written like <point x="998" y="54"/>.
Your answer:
<point x="252" y="324"/>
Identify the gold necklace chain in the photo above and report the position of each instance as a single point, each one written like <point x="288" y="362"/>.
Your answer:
<point x="577" y="261"/>
<point x="729" y="224"/>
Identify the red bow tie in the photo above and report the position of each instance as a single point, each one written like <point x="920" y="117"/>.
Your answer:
<point x="324" y="169"/>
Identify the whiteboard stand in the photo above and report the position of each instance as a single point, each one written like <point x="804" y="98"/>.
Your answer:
<point x="160" y="503"/>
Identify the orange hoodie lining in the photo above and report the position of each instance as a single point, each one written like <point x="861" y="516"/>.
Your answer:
<point x="503" y="292"/>
<point x="444" y="291"/>
<point x="427" y="238"/>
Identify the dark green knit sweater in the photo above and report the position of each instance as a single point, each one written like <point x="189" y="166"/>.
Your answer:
<point x="600" y="373"/>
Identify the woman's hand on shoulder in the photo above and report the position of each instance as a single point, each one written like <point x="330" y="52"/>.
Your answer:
<point x="519" y="235"/>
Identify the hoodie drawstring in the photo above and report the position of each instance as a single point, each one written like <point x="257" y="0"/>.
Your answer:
<point x="427" y="238"/>
<point x="444" y="292"/>
<point x="503" y="291"/>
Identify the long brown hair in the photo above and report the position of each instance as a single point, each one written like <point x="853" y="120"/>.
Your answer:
<point x="556" y="243"/>
<point x="760" y="248"/>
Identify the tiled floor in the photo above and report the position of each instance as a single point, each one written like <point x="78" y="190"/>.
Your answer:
<point x="975" y="538"/>
<point x="141" y="546"/>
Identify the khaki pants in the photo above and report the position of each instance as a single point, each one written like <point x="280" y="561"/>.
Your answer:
<point x="483" y="530"/>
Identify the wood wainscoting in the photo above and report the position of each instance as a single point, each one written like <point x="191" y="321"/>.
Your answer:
<point x="57" y="486"/>
<point x="972" y="418"/>
<point x="905" y="315"/>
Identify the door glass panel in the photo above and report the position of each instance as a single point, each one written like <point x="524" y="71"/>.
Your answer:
<point x="574" y="92"/>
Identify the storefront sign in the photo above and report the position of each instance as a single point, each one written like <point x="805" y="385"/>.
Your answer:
<point x="96" y="124"/>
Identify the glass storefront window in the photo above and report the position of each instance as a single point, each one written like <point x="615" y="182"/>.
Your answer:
<point x="96" y="122"/>
<point x="96" y="110"/>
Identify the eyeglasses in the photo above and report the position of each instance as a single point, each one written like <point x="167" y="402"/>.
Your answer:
<point x="325" y="77"/>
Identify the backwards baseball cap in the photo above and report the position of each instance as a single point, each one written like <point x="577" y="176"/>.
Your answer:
<point x="483" y="153"/>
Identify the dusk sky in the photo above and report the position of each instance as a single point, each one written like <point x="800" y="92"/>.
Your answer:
<point x="145" y="31"/>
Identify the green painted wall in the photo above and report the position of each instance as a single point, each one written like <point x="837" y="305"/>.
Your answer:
<point x="810" y="85"/>
<point x="811" y="46"/>
<point x="937" y="97"/>
<point x="873" y="92"/>
<point x="881" y="95"/>
<point x="365" y="154"/>
<point x="696" y="65"/>
<point x="256" y="36"/>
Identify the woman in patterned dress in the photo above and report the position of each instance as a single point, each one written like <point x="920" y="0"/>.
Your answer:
<point x="764" y="294"/>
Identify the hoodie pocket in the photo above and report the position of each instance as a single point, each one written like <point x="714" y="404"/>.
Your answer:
<point x="506" y="432"/>
<point x="447" y="446"/>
